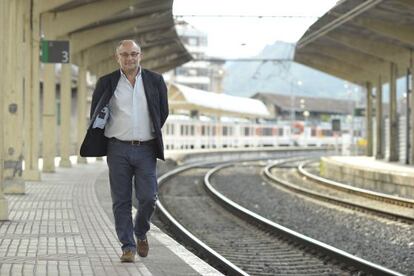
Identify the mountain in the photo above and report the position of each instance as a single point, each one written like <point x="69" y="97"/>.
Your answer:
<point x="247" y="78"/>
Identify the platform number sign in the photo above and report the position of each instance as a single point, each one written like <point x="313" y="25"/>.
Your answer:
<point x="54" y="51"/>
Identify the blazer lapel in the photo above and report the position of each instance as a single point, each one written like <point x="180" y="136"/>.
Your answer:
<point x="148" y="87"/>
<point x="114" y="80"/>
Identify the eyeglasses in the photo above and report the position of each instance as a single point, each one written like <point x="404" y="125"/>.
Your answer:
<point x="126" y="55"/>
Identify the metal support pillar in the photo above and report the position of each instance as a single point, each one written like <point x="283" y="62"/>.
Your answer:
<point x="412" y="115"/>
<point x="49" y="118"/>
<point x="407" y="119"/>
<point x="379" y="153"/>
<point x="81" y="103"/>
<point x="4" y="7"/>
<point x="13" y="182"/>
<point x="49" y="144"/>
<point x="32" y="99"/>
<point x="65" y="107"/>
<point x="368" y="119"/>
<point x="393" y="114"/>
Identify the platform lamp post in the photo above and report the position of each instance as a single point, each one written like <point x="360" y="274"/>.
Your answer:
<point x="352" y="93"/>
<point x="306" y="115"/>
<point x="302" y="105"/>
<point x="351" y="108"/>
<point x="292" y="101"/>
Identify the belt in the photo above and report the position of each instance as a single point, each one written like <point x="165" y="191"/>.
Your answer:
<point x="134" y="142"/>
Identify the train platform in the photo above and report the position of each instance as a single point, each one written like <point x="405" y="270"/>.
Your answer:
<point x="369" y="173"/>
<point x="63" y="225"/>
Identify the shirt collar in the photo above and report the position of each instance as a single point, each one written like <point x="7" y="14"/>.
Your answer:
<point x="136" y="77"/>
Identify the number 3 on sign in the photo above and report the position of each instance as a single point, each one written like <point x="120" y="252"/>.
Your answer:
<point x="65" y="56"/>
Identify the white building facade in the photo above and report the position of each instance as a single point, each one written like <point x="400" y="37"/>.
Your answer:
<point x="199" y="74"/>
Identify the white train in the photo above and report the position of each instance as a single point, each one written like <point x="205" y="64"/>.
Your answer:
<point x="183" y="132"/>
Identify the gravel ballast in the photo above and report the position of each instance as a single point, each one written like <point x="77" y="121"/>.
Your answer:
<point x="387" y="243"/>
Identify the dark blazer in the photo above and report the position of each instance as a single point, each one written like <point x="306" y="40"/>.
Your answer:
<point x="95" y="142"/>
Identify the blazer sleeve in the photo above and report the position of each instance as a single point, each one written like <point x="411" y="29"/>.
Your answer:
<point x="97" y="94"/>
<point x="163" y="100"/>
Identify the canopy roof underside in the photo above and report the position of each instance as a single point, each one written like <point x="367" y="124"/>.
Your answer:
<point x="94" y="28"/>
<point x="358" y="39"/>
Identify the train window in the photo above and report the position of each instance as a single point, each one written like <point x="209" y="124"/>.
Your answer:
<point x="280" y="132"/>
<point x="170" y="129"/>
<point x="192" y="130"/>
<point x="203" y="130"/>
<point x="267" y="131"/>
<point x="327" y="132"/>
<point x="225" y="131"/>
<point x="246" y="131"/>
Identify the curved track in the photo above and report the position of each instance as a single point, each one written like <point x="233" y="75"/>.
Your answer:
<point x="350" y="189"/>
<point x="292" y="175"/>
<point x="241" y="242"/>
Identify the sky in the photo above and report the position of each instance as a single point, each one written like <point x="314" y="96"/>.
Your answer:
<point x="242" y="36"/>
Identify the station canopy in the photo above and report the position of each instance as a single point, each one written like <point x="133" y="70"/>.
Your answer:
<point x="94" y="27"/>
<point x="358" y="39"/>
<point x="211" y="103"/>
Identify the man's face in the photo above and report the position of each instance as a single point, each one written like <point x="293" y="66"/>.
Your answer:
<point x="129" y="56"/>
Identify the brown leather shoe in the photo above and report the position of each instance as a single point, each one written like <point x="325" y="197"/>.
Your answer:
<point x="143" y="247"/>
<point x="128" y="256"/>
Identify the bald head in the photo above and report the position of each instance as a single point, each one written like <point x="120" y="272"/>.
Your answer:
<point x="127" y="42"/>
<point x="128" y="55"/>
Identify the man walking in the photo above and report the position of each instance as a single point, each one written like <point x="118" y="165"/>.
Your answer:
<point x="129" y="107"/>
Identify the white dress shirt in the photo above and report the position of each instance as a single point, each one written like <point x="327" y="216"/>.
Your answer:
<point x="129" y="118"/>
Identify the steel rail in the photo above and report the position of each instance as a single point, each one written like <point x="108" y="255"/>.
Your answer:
<point x="347" y="258"/>
<point x="274" y="179"/>
<point x="189" y="238"/>
<point x="360" y="191"/>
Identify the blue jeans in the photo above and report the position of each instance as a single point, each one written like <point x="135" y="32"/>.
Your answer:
<point x="127" y="163"/>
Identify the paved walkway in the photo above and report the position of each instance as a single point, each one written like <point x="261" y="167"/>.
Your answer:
<point x="59" y="228"/>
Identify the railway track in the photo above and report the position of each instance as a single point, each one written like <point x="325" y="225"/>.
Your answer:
<point x="240" y="242"/>
<point x="292" y="174"/>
